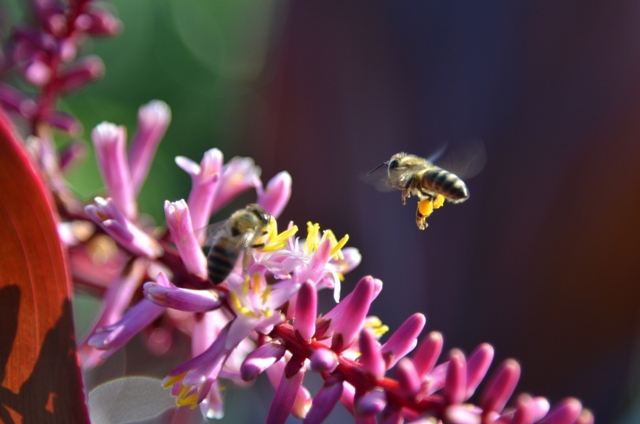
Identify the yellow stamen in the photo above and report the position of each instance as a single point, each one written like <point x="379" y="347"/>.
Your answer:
<point x="438" y="202"/>
<point x="265" y="294"/>
<point x="311" y="243"/>
<point x="336" y="249"/>
<point x="268" y="313"/>
<point x="191" y="400"/>
<point x="257" y="284"/>
<point x="235" y="301"/>
<point x="245" y="287"/>
<point x="172" y="380"/>
<point x="184" y="391"/>
<point x="375" y="324"/>
<point x="279" y="241"/>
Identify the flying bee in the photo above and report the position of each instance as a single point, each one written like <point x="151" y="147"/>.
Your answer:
<point x="245" y="229"/>
<point x="431" y="184"/>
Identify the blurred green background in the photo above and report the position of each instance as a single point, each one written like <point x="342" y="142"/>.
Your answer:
<point x="206" y="59"/>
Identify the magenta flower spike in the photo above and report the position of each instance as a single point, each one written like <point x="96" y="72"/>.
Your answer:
<point x="455" y="387"/>
<point x="109" y="141"/>
<point x="324" y="401"/>
<point x="179" y="223"/>
<point x="477" y="367"/>
<point x="276" y="195"/>
<point x="403" y="340"/>
<point x="370" y="355"/>
<point x="500" y="386"/>
<point x="284" y="398"/>
<point x="107" y="215"/>
<point x="153" y="121"/>
<point x="181" y="299"/>
<point x="427" y="353"/>
<point x="306" y="310"/>
<point x="205" y="179"/>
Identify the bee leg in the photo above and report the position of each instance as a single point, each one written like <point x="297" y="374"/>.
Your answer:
<point x="424" y="209"/>
<point x="405" y="195"/>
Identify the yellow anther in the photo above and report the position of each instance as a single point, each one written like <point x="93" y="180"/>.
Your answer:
<point x="265" y="294"/>
<point x="235" y="301"/>
<point x="279" y="241"/>
<point x="268" y="312"/>
<point x="184" y="391"/>
<point x="336" y="249"/>
<point x="340" y="276"/>
<point x="191" y="400"/>
<point x="425" y="207"/>
<point x="376" y="326"/>
<point x="172" y="380"/>
<point x="311" y="243"/>
<point x="438" y="202"/>
<point x="245" y="287"/>
<point x="257" y="284"/>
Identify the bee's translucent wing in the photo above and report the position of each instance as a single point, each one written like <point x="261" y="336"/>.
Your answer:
<point x="465" y="160"/>
<point x="377" y="177"/>
<point x="208" y="234"/>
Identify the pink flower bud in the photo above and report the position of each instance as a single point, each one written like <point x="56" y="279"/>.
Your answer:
<point x="205" y="180"/>
<point x="477" y="367"/>
<point x="371" y="403"/>
<point x="89" y="69"/>
<point x="306" y="311"/>
<point x="324" y="401"/>
<point x="456" y="381"/>
<point x="565" y="412"/>
<point x="109" y="141"/>
<point x="153" y="120"/>
<point x="323" y="360"/>
<point x="370" y="356"/>
<point x="407" y="377"/>
<point x="261" y="359"/>
<point x="500" y="386"/>
<point x="427" y="353"/>
<point x="403" y="340"/>
<point x="276" y="195"/>
<point x="284" y="398"/>
<point x="179" y="223"/>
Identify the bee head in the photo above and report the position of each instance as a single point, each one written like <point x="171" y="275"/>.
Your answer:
<point x="251" y="218"/>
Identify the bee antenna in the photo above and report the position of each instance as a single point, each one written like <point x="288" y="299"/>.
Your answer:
<point x="385" y="163"/>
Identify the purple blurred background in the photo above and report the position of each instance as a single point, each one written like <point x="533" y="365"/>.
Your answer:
<point x="543" y="261"/>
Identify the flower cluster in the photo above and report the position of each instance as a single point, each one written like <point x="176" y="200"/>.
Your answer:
<point x="264" y="317"/>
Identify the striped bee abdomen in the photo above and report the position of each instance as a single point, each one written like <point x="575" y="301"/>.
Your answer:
<point x="444" y="182"/>
<point x="221" y="260"/>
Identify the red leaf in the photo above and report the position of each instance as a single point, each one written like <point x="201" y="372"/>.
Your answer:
<point x="39" y="373"/>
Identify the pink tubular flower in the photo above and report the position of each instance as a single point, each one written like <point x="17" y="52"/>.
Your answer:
<point x="153" y="121"/>
<point x="276" y="195"/>
<point x="204" y="178"/>
<point x="106" y="214"/>
<point x="109" y="141"/>
<point x="237" y="176"/>
<point x="179" y="223"/>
